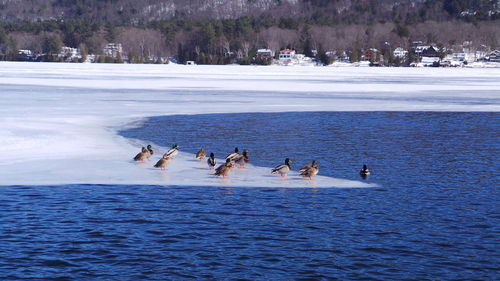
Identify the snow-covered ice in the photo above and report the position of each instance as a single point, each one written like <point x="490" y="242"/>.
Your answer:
<point x="59" y="121"/>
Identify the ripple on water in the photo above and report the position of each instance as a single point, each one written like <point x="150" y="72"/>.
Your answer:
<point x="425" y="224"/>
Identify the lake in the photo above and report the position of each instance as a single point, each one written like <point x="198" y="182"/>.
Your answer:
<point x="434" y="214"/>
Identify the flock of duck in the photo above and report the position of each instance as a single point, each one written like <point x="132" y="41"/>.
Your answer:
<point x="233" y="159"/>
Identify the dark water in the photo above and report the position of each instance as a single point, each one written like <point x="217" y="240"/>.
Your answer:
<point x="435" y="216"/>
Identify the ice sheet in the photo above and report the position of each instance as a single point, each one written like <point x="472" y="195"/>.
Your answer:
<point x="59" y="121"/>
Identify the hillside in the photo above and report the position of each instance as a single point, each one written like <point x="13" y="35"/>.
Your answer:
<point x="210" y="31"/>
<point x="328" y="11"/>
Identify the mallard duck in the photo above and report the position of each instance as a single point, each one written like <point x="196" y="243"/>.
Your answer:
<point x="308" y="166"/>
<point x="283" y="169"/>
<point x="163" y="162"/>
<point x="242" y="159"/>
<point x="143" y="155"/>
<point x="364" y="172"/>
<point x="172" y="152"/>
<point x="150" y="149"/>
<point x="201" y="154"/>
<point x="310" y="171"/>
<point x="233" y="155"/>
<point x="211" y="161"/>
<point x="224" y="169"/>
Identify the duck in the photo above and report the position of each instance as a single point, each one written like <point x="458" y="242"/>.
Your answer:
<point x="234" y="155"/>
<point x="224" y="169"/>
<point x="201" y="154"/>
<point x="364" y="172"/>
<point x="211" y="161"/>
<point x="172" y="152"/>
<point x="150" y="149"/>
<point x="283" y="169"/>
<point x="163" y="162"/>
<point x="311" y="171"/>
<point x="308" y="166"/>
<point x="143" y="155"/>
<point x="242" y="159"/>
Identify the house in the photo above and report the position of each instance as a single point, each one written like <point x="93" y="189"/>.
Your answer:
<point x="371" y="54"/>
<point x="264" y="54"/>
<point x="289" y="57"/>
<point x="494" y="56"/>
<point x="69" y="53"/>
<point x="113" y="50"/>
<point x="427" y="51"/>
<point x="287" y="54"/>
<point x="25" y="55"/>
<point x="400" y="52"/>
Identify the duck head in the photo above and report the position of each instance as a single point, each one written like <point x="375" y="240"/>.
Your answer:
<point x="174" y="145"/>
<point x="365" y="168"/>
<point x="212" y="156"/>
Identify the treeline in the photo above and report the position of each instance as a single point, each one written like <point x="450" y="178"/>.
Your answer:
<point x="306" y="26"/>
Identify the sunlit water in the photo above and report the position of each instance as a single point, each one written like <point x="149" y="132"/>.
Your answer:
<point x="434" y="216"/>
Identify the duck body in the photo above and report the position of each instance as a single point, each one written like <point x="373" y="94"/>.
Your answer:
<point x="310" y="171"/>
<point x="163" y="162"/>
<point x="364" y="172"/>
<point x="224" y="169"/>
<point x="211" y="161"/>
<point x="201" y="154"/>
<point x="308" y="166"/>
<point x="283" y="169"/>
<point x="233" y="156"/>
<point x="172" y="152"/>
<point x="143" y="155"/>
<point x="242" y="159"/>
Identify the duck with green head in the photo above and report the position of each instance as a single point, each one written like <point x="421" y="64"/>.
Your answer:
<point x="283" y="169"/>
<point x="150" y="149"/>
<point x="172" y="152"/>
<point x="211" y="161"/>
<point x="364" y="172"/>
<point x="234" y="155"/>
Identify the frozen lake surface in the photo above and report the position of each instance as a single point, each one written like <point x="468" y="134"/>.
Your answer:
<point x="76" y="208"/>
<point x="59" y="121"/>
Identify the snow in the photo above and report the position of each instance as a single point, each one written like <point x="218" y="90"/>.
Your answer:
<point x="59" y="121"/>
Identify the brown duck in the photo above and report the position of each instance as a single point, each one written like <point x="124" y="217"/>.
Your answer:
<point x="201" y="154"/>
<point x="310" y="171"/>
<point x="224" y="169"/>
<point x="163" y="162"/>
<point x="143" y="155"/>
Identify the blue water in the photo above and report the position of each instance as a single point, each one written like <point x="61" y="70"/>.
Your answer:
<point x="435" y="215"/>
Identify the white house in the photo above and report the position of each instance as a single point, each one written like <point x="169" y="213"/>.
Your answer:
<point x="287" y="54"/>
<point x="69" y="53"/>
<point x="113" y="50"/>
<point x="400" y="52"/>
<point x="264" y="53"/>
